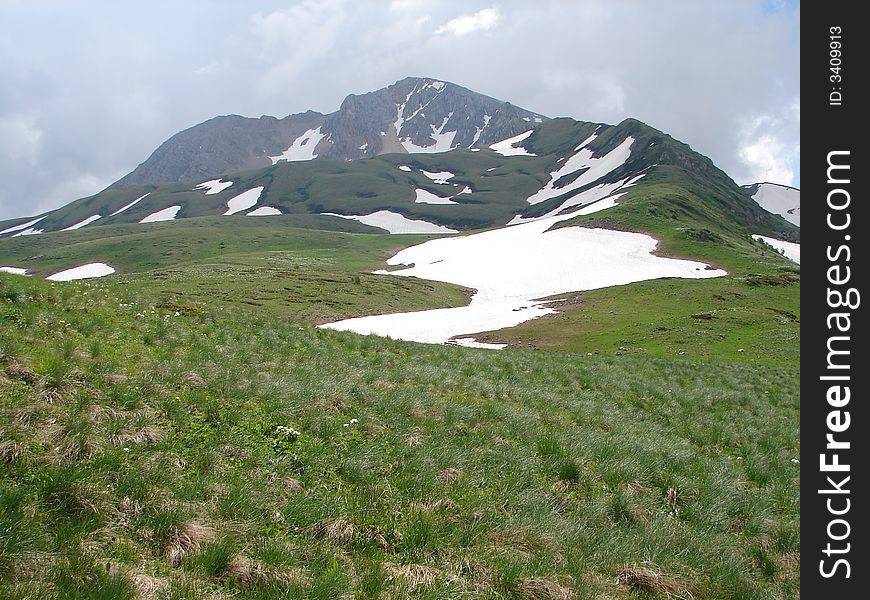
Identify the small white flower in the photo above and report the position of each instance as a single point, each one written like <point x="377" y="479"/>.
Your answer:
<point x="354" y="421"/>
<point x="796" y="461"/>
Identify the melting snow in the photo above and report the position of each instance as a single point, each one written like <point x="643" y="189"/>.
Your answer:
<point x="264" y="211"/>
<point x="166" y="214"/>
<point x="790" y="250"/>
<point x="395" y="223"/>
<point x="213" y="186"/>
<point x="596" y="168"/>
<point x="510" y="147"/>
<point x="13" y="270"/>
<point x="243" y="201"/>
<point x="472" y="343"/>
<point x="82" y="223"/>
<point x="302" y="147"/>
<point x="22" y="226"/>
<point x="123" y="208"/>
<point x="486" y="120"/>
<point x="443" y="142"/>
<point x="29" y="231"/>
<point x="405" y="168"/>
<point x="83" y="272"/>
<point x="424" y="197"/>
<point x="511" y="267"/>
<point x="439" y="177"/>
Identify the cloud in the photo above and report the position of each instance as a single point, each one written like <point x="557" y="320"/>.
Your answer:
<point x="766" y="160"/>
<point x="21" y="138"/>
<point x="769" y="147"/>
<point x="482" y="20"/>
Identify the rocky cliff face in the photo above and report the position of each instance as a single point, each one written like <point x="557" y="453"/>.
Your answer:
<point x="415" y="115"/>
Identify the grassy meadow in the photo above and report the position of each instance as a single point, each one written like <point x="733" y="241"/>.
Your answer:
<point x="172" y="444"/>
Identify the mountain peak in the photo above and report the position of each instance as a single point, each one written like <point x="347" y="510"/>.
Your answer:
<point x="412" y="115"/>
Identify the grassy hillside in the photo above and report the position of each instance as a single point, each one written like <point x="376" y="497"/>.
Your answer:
<point x="752" y="314"/>
<point x="244" y="264"/>
<point x="163" y="453"/>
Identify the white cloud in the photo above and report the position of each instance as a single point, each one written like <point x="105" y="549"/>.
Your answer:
<point x="482" y="20"/>
<point x="767" y="160"/>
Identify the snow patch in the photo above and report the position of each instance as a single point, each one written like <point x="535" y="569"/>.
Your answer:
<point x="166" y="214"/>
<point x="243" y="201"/>
<point x="82" y="223"/>
<point x="87" y="271"/>
<point x="512" y="266"/>
<point x="439" y="177"/>
<point x="123" y="208"/>
<point x="13" y="270"/>
<point x="596" y="168"/>
<point x="213" y="186"/>
<point x="22" y="226"/>
<point x="511" y="147"/>
<point x="594" y="196"/>
<point x="790" y="250"/>
<point x="424" y="197"/>
<point x="264" y="211"/>
<point x="302" y="147"/>
<point x="29" y="231"/>
<point x="780" y="200"/>
<point x="486" y="120"/>
<point x="395" y="223"/>
<point x="472" y="343"/>
<point x="405" y="168"/>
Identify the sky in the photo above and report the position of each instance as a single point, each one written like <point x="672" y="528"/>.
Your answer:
<point x="90" y="88"/>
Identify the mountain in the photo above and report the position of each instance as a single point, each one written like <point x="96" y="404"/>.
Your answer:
<point x="412" y="115"/>
<point x="423" y="156"/>
<point x="781" y="200"/>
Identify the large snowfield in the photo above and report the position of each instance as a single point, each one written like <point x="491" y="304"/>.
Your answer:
<point x="513" y="266"/>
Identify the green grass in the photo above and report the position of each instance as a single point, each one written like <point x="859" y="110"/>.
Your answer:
<point x="144" y="450"/>
<point x="244" y="265"/>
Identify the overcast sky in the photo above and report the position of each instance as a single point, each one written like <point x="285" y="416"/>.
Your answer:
<point x="90" y="88"/>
